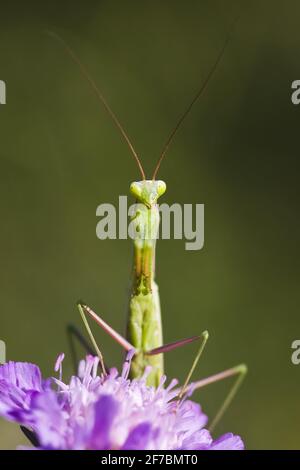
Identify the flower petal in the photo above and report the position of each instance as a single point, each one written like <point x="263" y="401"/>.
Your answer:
<point x="106" y="409"/>
<point x="139" y="437"/>
<point x="228" y="442"/>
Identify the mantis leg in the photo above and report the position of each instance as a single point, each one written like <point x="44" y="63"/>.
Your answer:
<point x="91" y="336"/>
<point x="74" y="334"/>
<point x="83" y="308"/>
<point x="239" y="372"/>
<point x="170" y="346"/>
<point x="204" y="337"/>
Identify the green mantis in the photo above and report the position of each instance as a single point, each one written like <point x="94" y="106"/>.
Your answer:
<point x="144" y="325"/>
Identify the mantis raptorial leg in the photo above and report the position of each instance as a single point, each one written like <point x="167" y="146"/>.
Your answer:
<point x="123" y="342"/>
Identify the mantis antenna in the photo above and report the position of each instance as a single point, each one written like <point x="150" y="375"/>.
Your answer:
<point x="101" y="99"/>
<point x="188" y="109"/>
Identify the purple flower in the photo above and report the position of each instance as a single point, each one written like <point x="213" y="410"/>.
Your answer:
<point x="19" y="382"/>
<point x="104" y="412"/>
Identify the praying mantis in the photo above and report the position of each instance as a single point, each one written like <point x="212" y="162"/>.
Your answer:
<point x="144" y="336"/>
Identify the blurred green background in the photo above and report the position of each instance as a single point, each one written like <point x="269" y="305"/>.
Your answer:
<point x="237" y="153"/>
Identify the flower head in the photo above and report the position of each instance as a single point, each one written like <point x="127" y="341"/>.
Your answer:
<point x="104" y="412"/>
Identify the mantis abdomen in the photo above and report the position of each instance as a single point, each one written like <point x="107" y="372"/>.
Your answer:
<point x="144" y="331"/>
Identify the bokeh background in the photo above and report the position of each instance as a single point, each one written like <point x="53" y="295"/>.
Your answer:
<point x="237" y="153"/>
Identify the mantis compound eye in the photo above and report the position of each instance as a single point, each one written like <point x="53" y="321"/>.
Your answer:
<point x="161" y="187"/>
<point x="136" y="189"/>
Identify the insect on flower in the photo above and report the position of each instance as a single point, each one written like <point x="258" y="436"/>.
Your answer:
<point x="141" y="411"/>
<point x="144" y="326"/>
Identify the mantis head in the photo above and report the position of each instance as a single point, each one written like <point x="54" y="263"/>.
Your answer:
<point x="148" y="191"/>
